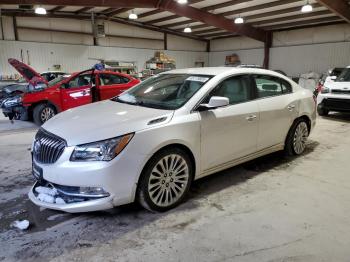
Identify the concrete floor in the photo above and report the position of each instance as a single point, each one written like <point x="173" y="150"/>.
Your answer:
<point x="271" y="209"/>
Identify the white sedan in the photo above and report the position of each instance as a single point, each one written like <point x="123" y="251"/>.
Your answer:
<point x="152" y="141"/>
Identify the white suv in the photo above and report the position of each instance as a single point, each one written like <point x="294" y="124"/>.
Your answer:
<point x="335" y="95"/>
<point x="149" y="143"/>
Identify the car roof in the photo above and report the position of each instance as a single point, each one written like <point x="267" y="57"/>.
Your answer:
<point x="221" y="70"/>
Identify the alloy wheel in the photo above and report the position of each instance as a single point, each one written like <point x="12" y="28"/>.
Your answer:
<point x="46" y="114"/>
<point x="300" y="137"/>
<point x="168" y="180"/>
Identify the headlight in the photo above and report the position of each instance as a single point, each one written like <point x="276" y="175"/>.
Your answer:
<point x="104" y="150"/>
<point x="325" y="90"/>
<point x="13" y="101"/>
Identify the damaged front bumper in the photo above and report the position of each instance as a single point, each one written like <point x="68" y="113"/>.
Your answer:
<point x="14" y="109"/>
<point x="74" y="201"/>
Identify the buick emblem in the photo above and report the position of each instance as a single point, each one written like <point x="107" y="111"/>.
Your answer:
<point x="37" y="147"/>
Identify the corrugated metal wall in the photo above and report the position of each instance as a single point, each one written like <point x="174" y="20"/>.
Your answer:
<point x="42" y="56"/>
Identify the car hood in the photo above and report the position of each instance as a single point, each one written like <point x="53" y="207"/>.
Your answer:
<point x="27" y="72"/>
<point x="338" y="85"/>
<point x="22" y="87"/>
<point x="103" y="120"/>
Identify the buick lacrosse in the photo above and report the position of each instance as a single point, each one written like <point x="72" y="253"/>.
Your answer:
<point x="149" y="143"/>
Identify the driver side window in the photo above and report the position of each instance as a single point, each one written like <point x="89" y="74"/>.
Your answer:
<point x="79" y="81"/>
<point x="237" y="89"/>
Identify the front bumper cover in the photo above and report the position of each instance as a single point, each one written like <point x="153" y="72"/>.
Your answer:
<point x="18" y="112"/>
<point x="74" y="204"/>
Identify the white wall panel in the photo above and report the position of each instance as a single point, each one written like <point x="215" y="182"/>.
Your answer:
<point x="54" y="37"/>
<point x="295" y="60"/>
<point x="131" y="42"/>
<point x="76" y="57"/>
<point x="182" y="43"/>
<point x="234" y="43"/>
<point x="7" y="23"/>
<point x="117" y="29"/>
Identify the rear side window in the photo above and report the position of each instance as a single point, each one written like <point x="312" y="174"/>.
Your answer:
<point x="271" y="86"/>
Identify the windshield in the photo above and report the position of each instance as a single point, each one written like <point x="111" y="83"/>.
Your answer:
<point x="165" y="91"/>
<point x="344" y="76"/>
<point x="57" y="80"/>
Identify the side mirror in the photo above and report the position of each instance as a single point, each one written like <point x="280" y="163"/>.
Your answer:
<point x="214" y="102"/>
<point x="333" y="77"/>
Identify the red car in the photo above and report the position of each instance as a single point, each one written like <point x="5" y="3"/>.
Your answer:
<point x="42" y="99"/>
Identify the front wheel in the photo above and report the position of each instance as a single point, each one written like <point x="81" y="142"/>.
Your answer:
<point x="165" y="180"/>
<point x="297" y="138"/>
<point x="42" y="113"/>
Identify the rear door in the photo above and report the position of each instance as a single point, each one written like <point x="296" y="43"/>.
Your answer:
<point x="77" y="91"/>
<point x="111" y="85"/>
<point x="278" y="109"/>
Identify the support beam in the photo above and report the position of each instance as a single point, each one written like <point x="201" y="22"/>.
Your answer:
<point x="339" y="7"/>
<point x="213" y="20"/>
<point x="15" y="28"/>
<point x="83" y="10"/>
<point x="165" y="41"/>
<point x="90" y="3"/>
<point x="311" y="22"/>
<point x="118" y="11"/>
<point x="267" y="46"/>
<point x="57" y="8"/>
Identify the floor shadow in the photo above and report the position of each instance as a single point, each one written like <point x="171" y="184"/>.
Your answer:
<point x="96" y="228"/>
<point x="339" y="117"/>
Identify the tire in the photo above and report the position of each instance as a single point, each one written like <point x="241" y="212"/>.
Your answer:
<point x="161" y="188"/>
<point x="42" y="113"/>
<point x="296" y="138"/>
<point x="322" y="112"/>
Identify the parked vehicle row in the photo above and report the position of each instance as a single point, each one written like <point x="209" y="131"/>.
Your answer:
<point x="149" y="143"/>
<point x="42" y="99"/>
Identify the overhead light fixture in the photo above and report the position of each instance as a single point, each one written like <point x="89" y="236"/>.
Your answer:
<point x="239" y="20"/>
<point x="307" y="8"/>
<point x="40" y="10"/>
<point x="182" y="2"/>
<point x="188" y="30"/>
<point x="133" y="16"/>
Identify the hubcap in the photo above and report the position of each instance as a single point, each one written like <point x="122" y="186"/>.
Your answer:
<point x="46" y="114"/>
<point x="168" y="180"/>
<point x="300" y="138"/>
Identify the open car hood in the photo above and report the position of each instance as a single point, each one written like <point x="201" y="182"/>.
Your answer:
<point x="27" y="72"/>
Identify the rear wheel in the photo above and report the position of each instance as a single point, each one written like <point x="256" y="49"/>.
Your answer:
<point x="297" y="138"/>
<point x="165" y="180"/>
<point x="42" y="113"/>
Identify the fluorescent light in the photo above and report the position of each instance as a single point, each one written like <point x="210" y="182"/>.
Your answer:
<point x="133" y="16"/>
<point x="306" y="8"/>
<point x="188" y="30"/>
<point x="182" y="2"/>
<point x="239" y="20"/>
<point x="40" y="10"/>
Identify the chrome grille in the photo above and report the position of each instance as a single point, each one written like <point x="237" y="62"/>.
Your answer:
<point x="47" y="147"/>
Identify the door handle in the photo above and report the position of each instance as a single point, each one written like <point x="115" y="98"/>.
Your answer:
<point x="250" y="118"/>
<point x="291" y="107"/>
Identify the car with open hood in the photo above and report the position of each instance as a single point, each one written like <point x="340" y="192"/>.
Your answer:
<point x="335" y="94"/>
<point x="43" y="99"/>
<point x="149" y="143"/>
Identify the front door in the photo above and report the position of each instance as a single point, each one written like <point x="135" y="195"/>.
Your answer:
<point x="230" y="132"/>
<point x="77" y="91"/>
